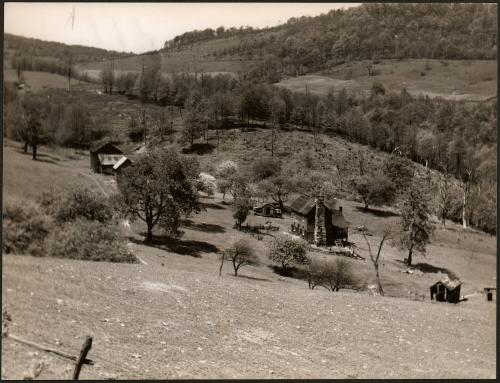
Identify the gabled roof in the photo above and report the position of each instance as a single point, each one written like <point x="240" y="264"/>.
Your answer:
<point x="303" y="205"/>
<point x="100" y="145"/>
<point x="448" y="283"/>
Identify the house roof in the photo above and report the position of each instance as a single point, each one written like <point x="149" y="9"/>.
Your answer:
<point x="449" y="284"/>
<point x="100" y="145"/>
<point x="303" y="205"/>
<point x="109" y="159"/>
<point x="120" y="162"/>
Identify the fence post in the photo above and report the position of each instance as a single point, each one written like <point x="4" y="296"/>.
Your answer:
<point x="81" y="358"/>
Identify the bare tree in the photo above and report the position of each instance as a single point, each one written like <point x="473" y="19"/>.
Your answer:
<point x="444" y="195"/>
<point x="239" y="254"/>
<point x="466" y="184"/>
<point x="386" y="234"/>
<point x="370" y="68"/>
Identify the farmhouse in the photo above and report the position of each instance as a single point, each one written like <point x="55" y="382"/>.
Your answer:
<point x="104" y="156"/>
<point x="446" y="290"/>
<point x="318" y="223"/>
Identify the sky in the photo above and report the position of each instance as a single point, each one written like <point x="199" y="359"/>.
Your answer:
<point x="141" y="27"/>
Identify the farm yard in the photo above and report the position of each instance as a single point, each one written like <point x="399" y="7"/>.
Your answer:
<point x="244" y="325"/>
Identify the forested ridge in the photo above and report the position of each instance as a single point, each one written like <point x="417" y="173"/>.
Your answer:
<point x="367" y="32"/>
<point x="29" y="48"/>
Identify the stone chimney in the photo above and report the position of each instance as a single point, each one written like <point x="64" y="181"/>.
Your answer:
<point x="319" y="223"/>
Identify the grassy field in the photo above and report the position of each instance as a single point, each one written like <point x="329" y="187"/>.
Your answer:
<point x="195" y="58"/>
<point x="172" y="316"/>
<point x="472" y="80"/>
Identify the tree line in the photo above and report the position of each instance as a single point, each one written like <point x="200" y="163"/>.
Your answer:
<point x="49" y="117"/>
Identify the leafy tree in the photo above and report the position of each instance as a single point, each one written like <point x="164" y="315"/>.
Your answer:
<point x="265" y="167"/>
<point x="278" y="188"/>
<point x="242" y="207"/>
<point x="206" y="183"/>
<point x="240" y="254"/>
<point x="378" y="190"/>
<point x="416" y="228"/>
<point x="400" y="171"/>
<point x="225" y="173"/>
<point x="287" y="251"/>
<point x="33" y="129"/>
<point x="157" y="189"/>
<point x="195" y="119"/>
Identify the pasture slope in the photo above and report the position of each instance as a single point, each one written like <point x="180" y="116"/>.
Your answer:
<point x="468" y="80"/>
<point x="174" y="317"/>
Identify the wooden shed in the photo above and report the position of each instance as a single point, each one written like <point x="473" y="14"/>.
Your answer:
<point x="446" y="290"/>
<point x="268" y="210"/>
<point x="103" y="156"/>
<point x="317" y="222"/>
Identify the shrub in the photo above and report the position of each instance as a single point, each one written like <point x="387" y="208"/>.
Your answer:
<point x="89" y="240"/>
<point x="206" y="183"/>
<point x="76" y="201"/>
<point x="287" y="251"/>
<point x="332" y="275"/>
<point x="24" y="229"/>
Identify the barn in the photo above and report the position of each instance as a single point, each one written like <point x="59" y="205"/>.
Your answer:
<point x="103" y="156"/>
<point x="317" y="222"/>
<point x="446" y="290"/>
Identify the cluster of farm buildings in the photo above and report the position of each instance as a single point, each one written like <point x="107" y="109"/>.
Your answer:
<point x="313" y="219"/>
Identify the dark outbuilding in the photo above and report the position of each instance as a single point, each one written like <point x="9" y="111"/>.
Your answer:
<point x="104" y="156"/>
<point x="446" y="290"/>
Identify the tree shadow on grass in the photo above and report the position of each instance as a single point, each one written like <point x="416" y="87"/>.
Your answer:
<point x="206" y="227"/>
<point x="376" y="212"/>
<point x="290" y="272"/>
<point x="199" y="148"/>
<point x="428" y="268"/>
<point x="209" y="205"/>
<point x="254" y="278"/>
<point x="178" y="246"/>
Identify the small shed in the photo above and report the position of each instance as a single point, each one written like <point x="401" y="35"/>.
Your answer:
<point x="103" y="156"/>
<point x="268" y="210"/>
<point x="446" y="290"/>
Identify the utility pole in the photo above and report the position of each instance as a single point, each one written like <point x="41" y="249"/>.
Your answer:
<point x="69" y="72"/>
<point x="112" y="74"/>
<point x="72" y="18"/>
